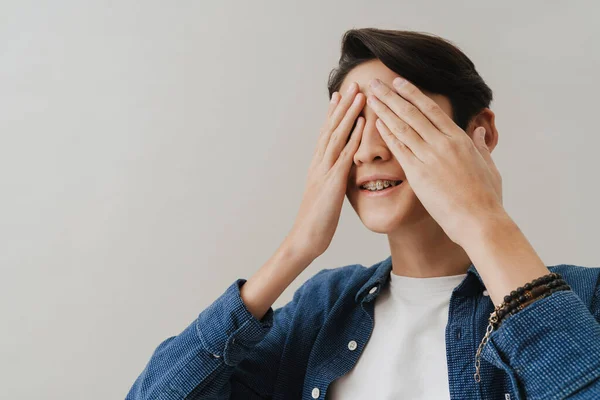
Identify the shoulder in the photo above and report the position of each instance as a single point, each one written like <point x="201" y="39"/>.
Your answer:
<point x="332" y="276"/>
<point x="584" y="281"/>
<point x="335" y="280"/>
<point x="337" y="286"/>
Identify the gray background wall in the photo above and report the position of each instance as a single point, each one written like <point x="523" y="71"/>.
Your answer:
<point x="154" y="152"/>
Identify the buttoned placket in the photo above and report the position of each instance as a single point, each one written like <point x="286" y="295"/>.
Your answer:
<point x="460" y="345"/>
<point x="366" y="306"/>
<point x="463" y="340"/>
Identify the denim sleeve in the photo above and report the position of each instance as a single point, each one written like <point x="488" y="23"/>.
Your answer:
<point x="550" y="349"/>
<point x="198" y="363"/>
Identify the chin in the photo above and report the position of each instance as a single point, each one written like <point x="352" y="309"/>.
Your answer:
<point x="380" y="222"/>
<point x="388" y="217"/>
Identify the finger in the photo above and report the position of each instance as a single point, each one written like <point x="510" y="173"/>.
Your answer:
<point x="334" y="119"/>
<point x="479" y="142"/>
<point x="333" y="103"/>
<point x="403" y="131"/>
<point x="429" y="108"/>
<point x="407" y="111"/>
<point x="344" y="161"/>
<point x="339" y="136"/>
<point x="403" y="154"/>
<point x="344" y="104"/>
<point x="482" y="147"/>
<point x="335" y="96"/>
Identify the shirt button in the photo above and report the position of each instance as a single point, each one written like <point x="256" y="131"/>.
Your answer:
<point x="373" y="290"/>
<point x="485" y="293"/>
<point x="315" y="393"/>
<point x="352" y="345"/>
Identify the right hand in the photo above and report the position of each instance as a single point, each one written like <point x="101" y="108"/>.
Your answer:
<point x="326" y="182"/>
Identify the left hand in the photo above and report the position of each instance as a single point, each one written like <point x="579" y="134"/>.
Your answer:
<point x="453" y="176"/>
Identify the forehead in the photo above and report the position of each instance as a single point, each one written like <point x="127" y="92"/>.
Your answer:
<point x="363" y="73"/>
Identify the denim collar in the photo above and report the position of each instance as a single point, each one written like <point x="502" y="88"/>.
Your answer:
<point x="471" y="285"/>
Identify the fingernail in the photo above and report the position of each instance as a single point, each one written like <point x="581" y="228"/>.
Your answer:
<point x="351" y="88"/>
<point x="399" y="81"/>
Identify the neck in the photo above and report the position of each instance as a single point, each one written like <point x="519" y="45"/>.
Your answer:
<point x="423" y="250"/>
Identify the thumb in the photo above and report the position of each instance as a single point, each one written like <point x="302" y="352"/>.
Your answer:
<point x="479" y="134"/>
<point x="481" y="145"/>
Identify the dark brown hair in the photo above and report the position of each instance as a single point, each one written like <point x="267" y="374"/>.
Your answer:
<point x="430" y="62"/>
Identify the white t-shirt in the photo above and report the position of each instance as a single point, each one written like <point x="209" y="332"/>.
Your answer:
<point x="405" y="357"/>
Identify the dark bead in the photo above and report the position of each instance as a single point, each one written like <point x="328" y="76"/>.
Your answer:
<point x="507" y="298"/>
<point x="528" y="286"/>
<point x="541" y="284"/>
<point x="513" y="293"/>
<point x="522" y="299"/>
<point x="536" y="291"/>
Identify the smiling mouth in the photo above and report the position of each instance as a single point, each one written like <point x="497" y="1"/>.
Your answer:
<point x="383" y="189"/>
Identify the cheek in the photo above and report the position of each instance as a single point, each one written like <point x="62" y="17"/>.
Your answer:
<point x="351" y="190"/>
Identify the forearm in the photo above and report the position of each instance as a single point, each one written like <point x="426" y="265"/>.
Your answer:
<point x="263" y="288"/>
<point x="552" y="346"/>
<point x="503" y="256"/>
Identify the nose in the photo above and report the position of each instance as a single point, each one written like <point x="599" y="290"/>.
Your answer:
<point x="372" y="147"/>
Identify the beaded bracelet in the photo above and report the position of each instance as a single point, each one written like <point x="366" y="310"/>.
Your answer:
<point x="517" y="300"/>
<point x="536" y="293"/>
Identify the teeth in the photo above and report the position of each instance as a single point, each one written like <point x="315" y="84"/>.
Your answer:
<point x="378" y="185"/>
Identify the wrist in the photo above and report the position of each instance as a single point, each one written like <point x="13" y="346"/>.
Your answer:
<point x="480" y="229"/>
<point x="292" y="249"/>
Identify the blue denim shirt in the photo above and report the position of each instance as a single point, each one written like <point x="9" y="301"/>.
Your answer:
<point x="548" y="350"/>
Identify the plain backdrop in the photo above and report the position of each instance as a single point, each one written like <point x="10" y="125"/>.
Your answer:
<point x="153" y="152"/>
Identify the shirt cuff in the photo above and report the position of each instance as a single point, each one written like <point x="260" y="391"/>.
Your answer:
<point x="551" y="348"/>
<point x="227" y="329"/>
